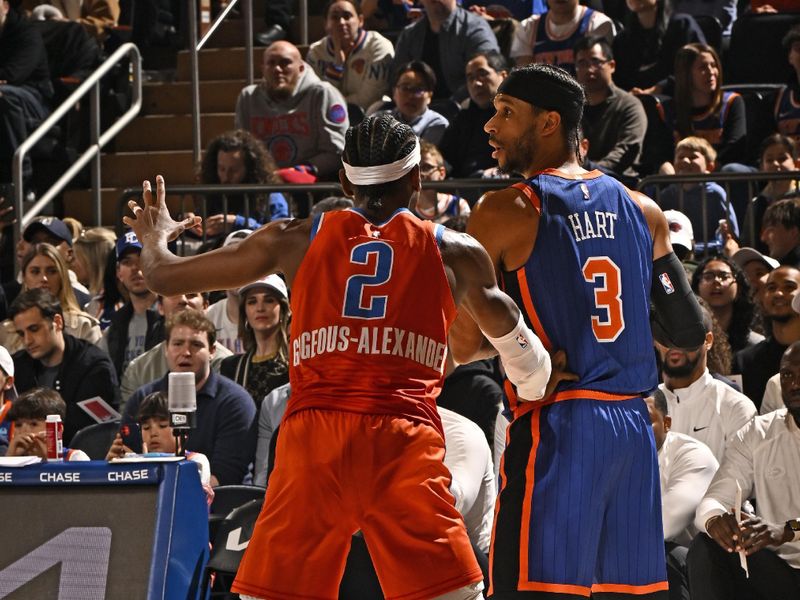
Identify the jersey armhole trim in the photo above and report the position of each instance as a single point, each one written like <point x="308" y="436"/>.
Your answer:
<point x="438" y="232"/>
<point x="315" y="225"/>
<point x="528" y="192"/>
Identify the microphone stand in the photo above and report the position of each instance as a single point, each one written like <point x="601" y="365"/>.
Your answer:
<point x="180" y="442"/>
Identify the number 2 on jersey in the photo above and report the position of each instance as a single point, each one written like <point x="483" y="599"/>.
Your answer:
<point x="375" y="306"/>
<point x="604" y="275"/>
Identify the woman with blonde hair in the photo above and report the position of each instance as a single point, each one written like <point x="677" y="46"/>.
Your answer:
<point x="91" y="250"/>
<point x="264" y="330"/>
<point x="43" y="267"/>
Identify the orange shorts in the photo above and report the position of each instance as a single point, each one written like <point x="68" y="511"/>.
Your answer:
<point x="337" y="473"/>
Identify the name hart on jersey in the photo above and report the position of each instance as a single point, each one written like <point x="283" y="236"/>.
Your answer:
<point x="389" y="341"/>
<point x="588" y="225"/>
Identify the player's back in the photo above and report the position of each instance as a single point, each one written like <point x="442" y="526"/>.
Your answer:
<point x="586" y="286"/>
<point x="371" y="306"/>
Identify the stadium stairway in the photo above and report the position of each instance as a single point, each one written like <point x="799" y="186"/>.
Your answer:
<point x="159" y="140"/>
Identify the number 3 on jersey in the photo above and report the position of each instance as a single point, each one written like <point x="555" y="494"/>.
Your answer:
<point x="604" y="275"/>
<point x="373" y="307"/>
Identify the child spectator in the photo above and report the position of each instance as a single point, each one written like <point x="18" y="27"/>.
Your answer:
<point x="29" y="414"/>
<point x="157" y="436"/>
<point x="695" y="155"/>
<point x="430" y="204"/>
<point x="7" y="394"/>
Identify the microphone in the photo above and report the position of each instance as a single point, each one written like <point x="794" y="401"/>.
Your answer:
<point x="182" y="406"/>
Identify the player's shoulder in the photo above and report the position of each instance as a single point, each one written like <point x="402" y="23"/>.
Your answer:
<point x="509" y="203"/>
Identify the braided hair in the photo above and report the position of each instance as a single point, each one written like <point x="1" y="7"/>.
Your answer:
<point x="377" y="140"/>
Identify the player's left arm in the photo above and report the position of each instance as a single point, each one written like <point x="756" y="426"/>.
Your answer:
<point x="526" y="361"/>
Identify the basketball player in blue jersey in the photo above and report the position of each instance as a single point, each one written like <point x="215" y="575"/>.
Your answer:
<point x="578" y="513"/>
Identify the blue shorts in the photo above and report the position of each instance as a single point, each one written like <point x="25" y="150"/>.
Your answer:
<point x="579" y="510"/>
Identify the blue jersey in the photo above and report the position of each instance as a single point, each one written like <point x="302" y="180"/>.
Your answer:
<point x="559" y="51"/>
<point x="585" y="288"/>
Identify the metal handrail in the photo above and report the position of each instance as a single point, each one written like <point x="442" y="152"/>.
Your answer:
<point x="98" y="140"/>
<point x="195" y="47"/>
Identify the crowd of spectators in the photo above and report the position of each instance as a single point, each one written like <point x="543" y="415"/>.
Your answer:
<point x="79" y="321"/>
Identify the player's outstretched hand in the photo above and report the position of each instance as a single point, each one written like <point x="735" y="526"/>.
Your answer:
<point x="152" y="218"/>
<point x="559" y="373"/>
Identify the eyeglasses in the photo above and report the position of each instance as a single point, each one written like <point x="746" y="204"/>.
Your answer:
<point x="711" y="276"/>
<point x="427" y="168"/>
<point x="585" y="64"/>
<point x="414" y="91"/>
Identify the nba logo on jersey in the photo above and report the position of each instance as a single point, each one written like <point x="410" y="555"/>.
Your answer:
<point x="523" y="343"/>
<point x="666" y="282"/>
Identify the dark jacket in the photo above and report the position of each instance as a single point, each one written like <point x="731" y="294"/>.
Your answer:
<point x="226" y="426"/>
<point x="757" y="364"/>
<point x="118" y="334"/>
<point x="23" y="59"/>
<point x="465" y="144"/>
<point x="85" y="372"/>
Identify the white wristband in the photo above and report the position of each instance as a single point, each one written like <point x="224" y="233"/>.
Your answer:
<point x="525" y="360"/>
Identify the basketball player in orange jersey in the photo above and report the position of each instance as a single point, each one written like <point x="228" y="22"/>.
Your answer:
<point x="579" y="510"/>
<point x="374" y="292"/>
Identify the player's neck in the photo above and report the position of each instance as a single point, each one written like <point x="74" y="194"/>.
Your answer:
<point x="563" y="160"/>
<point x="382" y="211"/>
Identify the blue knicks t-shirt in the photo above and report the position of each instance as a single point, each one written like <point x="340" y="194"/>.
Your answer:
<point x="585" y="288"/>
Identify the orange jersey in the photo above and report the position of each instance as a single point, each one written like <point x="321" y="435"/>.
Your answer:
<point x="371" y="307"/>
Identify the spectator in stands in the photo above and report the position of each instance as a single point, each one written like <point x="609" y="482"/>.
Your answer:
<point x="264" y="330"/>
<point x="701" y="108"/>
<point x="412" y="92"/>
<point x="614" y="121"/>
<point x="756" y="267"/>
<point x="238" y="157"/>
<point x="25" y="87"/>
<point x="778" y="155"/>
<point x="134" y="328"/>
<point x="762" y="460"/>
<point x="91" y="250"/>
<point x="53" y="231"/>
<point x="225" y="412"/>
<point x="686" y="467"/>
<point x="7" y="394"/>
<point x="760" y="362"/>
<point x="300" y="119"/>
<point x="773" y="399"/>
<point x="550" y="37"/>
<point x="96" y="16"/>
<point x="29" y="415"/>
<point x="152" y="364"/>
<point x="355" y="61"/>
<point x="681" y="234"/>
<point x="465" y="144"/>
<point x="722" y="284"/>
<point x="277" y="16"/>
<point x="723" y="11"/>
<point x="53" y="359"/>
<point x="224" y="314"/>
<point x="113" y="295"/>
<point x="153" y="421"/>
<point x="787" y="105"/>
<point x="433" y="205"/>
<point x="700" y="405"/>
<point x="44" y="268"/>
<point x="780" y="231"/>
<point x="694" y="155"/>
<point x="330" y="203"/>
<point x="445" y="38"/>
<point x="649" y="41"/>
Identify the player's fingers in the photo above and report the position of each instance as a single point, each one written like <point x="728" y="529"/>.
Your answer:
<point x="161" y="192"/>
<point x="147" y="193"/>
<point x="135" y="208"/>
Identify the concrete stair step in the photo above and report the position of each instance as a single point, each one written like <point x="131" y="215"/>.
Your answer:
<point x="170" y="132"/>
<point x="222" y="63"/>
<point x="129" y="169"/>
<point x="176" y="98"/>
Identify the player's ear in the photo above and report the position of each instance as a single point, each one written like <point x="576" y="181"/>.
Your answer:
<point x="347" y="187"/>
<point x="551" y="122"/>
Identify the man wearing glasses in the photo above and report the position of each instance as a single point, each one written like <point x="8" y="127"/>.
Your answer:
<point x="701" y="406"/>
<point x="614" y="120"/>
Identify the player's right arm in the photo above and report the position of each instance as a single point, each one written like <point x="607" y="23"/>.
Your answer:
<point x="276" y="247"/>
<point x="472" y="280"/>
<point x="678" y="317"/>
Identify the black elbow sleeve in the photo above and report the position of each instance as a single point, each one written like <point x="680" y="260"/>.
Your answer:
<point x="677" y="320"/>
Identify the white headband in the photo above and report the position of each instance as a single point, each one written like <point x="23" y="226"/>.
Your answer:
<point x="383" y="173"/>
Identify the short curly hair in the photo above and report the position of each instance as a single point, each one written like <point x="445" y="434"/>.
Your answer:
<point x="260" y="167"/>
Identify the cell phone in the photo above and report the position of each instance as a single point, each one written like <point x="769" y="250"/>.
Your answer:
<point x="131" y="436"/>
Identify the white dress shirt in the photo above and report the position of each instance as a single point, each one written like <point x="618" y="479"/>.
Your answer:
<point x="710" y="411"/>
<point x="686" y="467"/>
<point x="773" y="399"/>
<point x="764" y="459"/>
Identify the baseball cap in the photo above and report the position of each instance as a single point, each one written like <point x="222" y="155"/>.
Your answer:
<point x="6" y="362"/>
<point x="680" y="229"/>
<point x="234" y="237"/>
<point x="127" y="241"/>
<point x="273" y="282"/>
<point x="746" y="255"/>
<point x="52" y="225"/>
